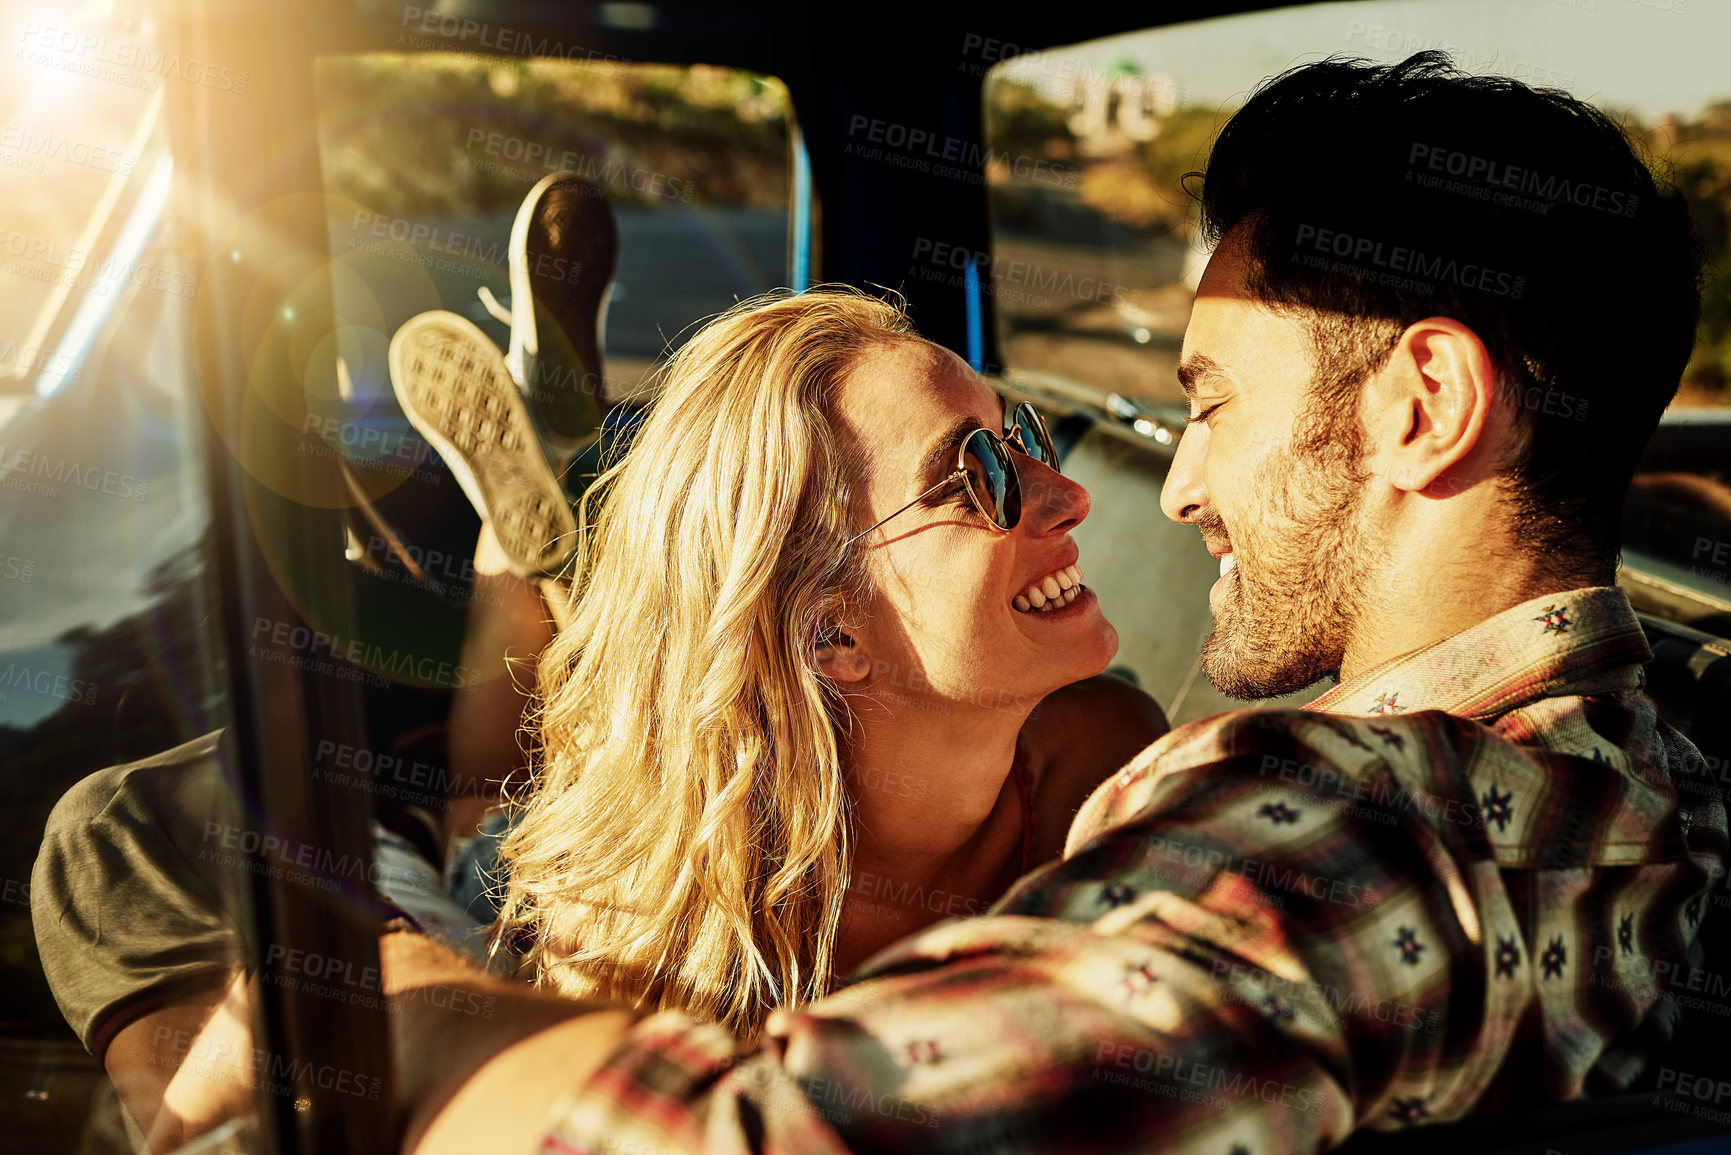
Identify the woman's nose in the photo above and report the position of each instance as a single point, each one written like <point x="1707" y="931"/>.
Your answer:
<point x="1184" y="495"/>
<point x="1051" y="502"/>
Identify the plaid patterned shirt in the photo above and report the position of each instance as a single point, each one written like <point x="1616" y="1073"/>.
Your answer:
<point x="1462" y="879"/>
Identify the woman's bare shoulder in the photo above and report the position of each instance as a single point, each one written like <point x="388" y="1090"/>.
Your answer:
<point x="1077" y="738"/>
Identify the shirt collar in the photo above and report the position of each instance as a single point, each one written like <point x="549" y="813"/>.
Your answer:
<point x="1583" y="641"/>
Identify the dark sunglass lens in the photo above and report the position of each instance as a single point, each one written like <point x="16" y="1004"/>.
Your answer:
<point x="992" y="478"/>
<point x="1036" y="442"/>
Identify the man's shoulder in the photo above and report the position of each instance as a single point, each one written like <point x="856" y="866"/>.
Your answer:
<point x="140" y="819"/>
<point x="177" y="782"/>
<point x="1555" y="794"/>
<point x="1288" y="751"/>
<point x="120" y="900"/>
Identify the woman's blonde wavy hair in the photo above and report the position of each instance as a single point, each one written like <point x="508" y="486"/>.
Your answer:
<point x="686" y="841"/>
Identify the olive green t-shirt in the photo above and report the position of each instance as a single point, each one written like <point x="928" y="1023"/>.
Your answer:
<point x="132" y="887"/>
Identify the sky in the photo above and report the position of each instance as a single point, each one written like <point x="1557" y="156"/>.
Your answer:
<point x="1641" y="55"/>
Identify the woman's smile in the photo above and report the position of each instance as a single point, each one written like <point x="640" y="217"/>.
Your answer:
<point x="1051" y="593"/>
<point x="1073" y="603"/>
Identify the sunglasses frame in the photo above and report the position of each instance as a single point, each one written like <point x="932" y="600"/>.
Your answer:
<point x="1011" y="442"/>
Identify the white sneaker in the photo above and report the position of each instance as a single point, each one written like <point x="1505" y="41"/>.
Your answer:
<point x="564" y="250"/>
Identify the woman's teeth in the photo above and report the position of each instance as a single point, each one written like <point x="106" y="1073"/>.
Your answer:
<point x="1052" y="592"/>
<point x="1227" y="561"/>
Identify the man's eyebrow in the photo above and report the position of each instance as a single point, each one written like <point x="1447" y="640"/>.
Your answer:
<point x="1193" y="369"/>
<point x="947" y="445"/>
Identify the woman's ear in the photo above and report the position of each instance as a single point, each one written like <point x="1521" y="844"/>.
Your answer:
<point x="840" y="658"/>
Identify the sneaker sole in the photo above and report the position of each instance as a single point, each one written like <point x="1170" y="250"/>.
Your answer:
<point x="454" y="387"/>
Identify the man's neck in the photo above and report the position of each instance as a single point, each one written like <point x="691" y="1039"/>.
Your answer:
<point x="1426" y="602"/>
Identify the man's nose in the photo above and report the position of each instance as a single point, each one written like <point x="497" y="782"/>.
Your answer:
<point x="1185" y="495"/>
<point x="1051" y="502"/>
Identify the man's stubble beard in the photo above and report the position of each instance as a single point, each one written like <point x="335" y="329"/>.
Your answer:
<point x="1300" y="583"/>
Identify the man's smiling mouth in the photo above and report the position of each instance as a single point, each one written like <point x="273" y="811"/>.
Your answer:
<point x="1216" y="541"/>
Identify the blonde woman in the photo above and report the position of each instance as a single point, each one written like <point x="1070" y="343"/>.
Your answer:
<point x="819" y="599"/>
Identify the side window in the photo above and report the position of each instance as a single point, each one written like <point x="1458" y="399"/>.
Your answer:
<point x="1092" y="275"/>
<point x="1095" y="258"/>
<point x="681" y="207"/>
<point x="427" y="158"/>
<point x="109" y="644"/>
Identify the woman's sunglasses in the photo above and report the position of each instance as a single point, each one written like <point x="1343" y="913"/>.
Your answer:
<point x="988" y="472"/>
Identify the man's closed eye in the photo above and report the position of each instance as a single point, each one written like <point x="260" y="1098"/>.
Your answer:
<point x="1204" y="414"/>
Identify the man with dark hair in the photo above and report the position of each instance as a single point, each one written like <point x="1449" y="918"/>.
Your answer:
<point x="1443" y="316"/>
<point x="1356" y="203"/>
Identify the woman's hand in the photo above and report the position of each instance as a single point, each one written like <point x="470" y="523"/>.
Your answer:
<point x="187" y="1067"/>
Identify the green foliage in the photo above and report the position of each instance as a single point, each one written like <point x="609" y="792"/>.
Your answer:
<point x="1186" y="138"/>
<point x="1022" y="122"/>
<point x="1695" y="156"/>
<point x="443" y="135"/>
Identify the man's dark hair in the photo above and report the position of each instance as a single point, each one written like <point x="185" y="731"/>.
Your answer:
<point x="1383" y="194"/>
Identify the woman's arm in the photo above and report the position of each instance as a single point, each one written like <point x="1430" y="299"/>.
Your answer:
<point x="469" y="1083"/>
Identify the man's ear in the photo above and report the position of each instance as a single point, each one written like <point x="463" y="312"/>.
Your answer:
<point x="840" y="658"/>
<point x="1431" y="407"/>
